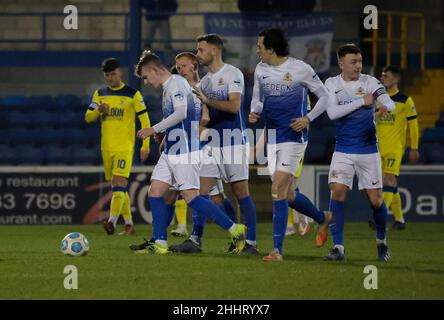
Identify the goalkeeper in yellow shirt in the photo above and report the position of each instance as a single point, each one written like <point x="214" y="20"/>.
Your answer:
<point x="391" y="129"/>
<point x="117" y="106"/>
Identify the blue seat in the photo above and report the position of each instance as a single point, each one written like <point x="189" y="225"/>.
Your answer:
<point x="13" y="102"/>
<point x="40" y="102"/>
<point x="55" y="154"/>
<point x="70" y="119"/>
<point x="21" y="136"/>
<point x="44" y="119"/>
<point x="439" y="123"/>
<point x="436" y="155"/>
<point x="94" y="135"/>
<point x="433" y="135"/>
<point x="152" y="103"/>
<point x="48" y="135"/>
<point x="5" y="136"/>
<point x="85" y="155"/>
<point x="67" y="102"/>
<point x="316" y="153"/>
<point x="8" y="155"/>
<point x="428" y="151"/>
<point x="31" y="155"/>
<point x="19" y="119"/>
<point x="76" y="136"/>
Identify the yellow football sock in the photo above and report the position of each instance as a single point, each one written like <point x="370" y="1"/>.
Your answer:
<point x="126" y="210"/>
<point x="116" y="204"/>
<point x="388" y="197"/>
<point x="396" y="207"/>
<point x="181" y="212"/>
<point x="290" y="221"/>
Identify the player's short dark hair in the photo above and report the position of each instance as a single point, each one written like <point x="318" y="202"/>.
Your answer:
<point x="173" y="70"/>
<point x="395" y="70"/>
<point x="276" y="39"/>
<point x="110" y="64"/>
<point x="346" y="49"/>
<point x="147" y="58"/>
<point x="211" y="38"/>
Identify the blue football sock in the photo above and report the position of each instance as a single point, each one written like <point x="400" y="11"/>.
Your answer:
<point x="160" y="216"/>
<point x="248" y="211"/>
<point x="280" y="217"/>
<point x="199" y="220"/>
<point x="303" y="205"/>
<point x="229" y="209"/>
<point x="380" y="216"/>
<point x="171" y="211"/>
<point x="337" y="226"/>
<point x="209" y="209"/>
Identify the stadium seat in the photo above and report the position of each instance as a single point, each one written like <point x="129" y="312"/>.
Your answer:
<point x="316" y="153"/>
<point x="439" y="123"/>
<point x="436" y="155"/>
<point x="44" y="119"/>
<point x="75" y="136"/>
<point x="433" y="135"/>
<point x="429" y="152"/>
<point x="21" y="136"/>
<point x="152" y="103"/>
<point x="8" y="155"/>
<point x="31" y="155"/>
<point x="48" y="136"/>
<point x="57" y="155"/>
<point x="19" y="119"/>
<point x="13" y="102"/>
<point x="67" y="102"/>
<point x="4" y="137"/>
<point x="94" y="135"/>
<point x="70" y="119"/>
<point x="85" y="155"/>
<point x="40" y="102"/>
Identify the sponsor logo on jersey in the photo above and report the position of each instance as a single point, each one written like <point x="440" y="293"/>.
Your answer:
<point x="287" y="77"/>
<point x="221" y="82"/>
<point x="360" y="91"/>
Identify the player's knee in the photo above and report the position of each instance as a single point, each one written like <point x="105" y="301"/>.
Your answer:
<point x="118" y="181"/>
<point x="217" y="199"/>
<point x="389" y="180"/>
<point x="240" y="189"/>
<point x="338" y="192"/>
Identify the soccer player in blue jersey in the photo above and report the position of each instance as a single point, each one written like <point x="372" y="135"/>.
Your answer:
<point x="352" y="97"/>
<point x="225" y="155"/>
<point x="280" y="95"/>
<point x="178" y="165"/>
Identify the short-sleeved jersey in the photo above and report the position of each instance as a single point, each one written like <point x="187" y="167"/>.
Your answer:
<point x="184" y="136"/>
<point x="391" y="127"/>
<point x="118" y="125"/>
<point x="355" y="132"/>
<point x="218" y="86"/>
<point x="282" y="94"/>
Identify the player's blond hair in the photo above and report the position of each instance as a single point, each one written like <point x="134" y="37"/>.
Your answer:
<point x="147" y="58"/>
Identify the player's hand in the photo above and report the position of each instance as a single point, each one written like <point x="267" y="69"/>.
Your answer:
<point x="158" y="137"/>
<point x="381" y="110"/>
<point x="253" y="117"/>
<point x="145" y="133"/>
<point x="161" y="146"/>
<point x="413" y="156"/>
<point x="144" y="154"/>
<point x="368" y="99"/>
<point x="299" y="124"/>
<point x="103" y="108"/>
<point x="200" y="95"/>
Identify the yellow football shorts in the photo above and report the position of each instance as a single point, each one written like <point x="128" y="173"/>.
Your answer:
<point x="117" y="163"/>
<point x="391" y="162"/>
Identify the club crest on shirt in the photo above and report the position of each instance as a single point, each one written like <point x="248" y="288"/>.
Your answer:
<point x="122" y="102"/>
<point x="287" y="77"/>
<point x="221" y="82"/>
<point x="360" y="92"/>
<point x="178" y="95"/>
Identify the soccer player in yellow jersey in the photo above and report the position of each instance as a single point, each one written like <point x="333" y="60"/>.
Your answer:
<point x="391" y="130"/>
<point x="117" y="106"/>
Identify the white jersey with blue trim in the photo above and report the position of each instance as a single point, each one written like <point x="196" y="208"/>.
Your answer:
<point x="184" y="136"/>
<point x="355" y="132"/>
<point x="280" y="94"/>
<point x="218" y="86"/>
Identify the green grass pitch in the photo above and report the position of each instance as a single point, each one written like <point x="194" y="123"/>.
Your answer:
<point x="32" y="266"/>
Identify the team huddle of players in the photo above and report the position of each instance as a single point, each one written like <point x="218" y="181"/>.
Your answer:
<point x="203" y="142"/>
